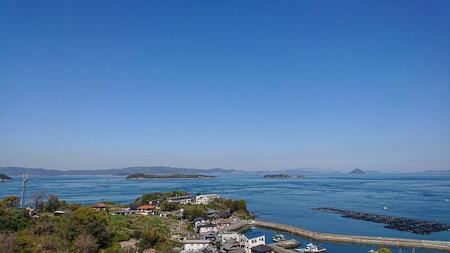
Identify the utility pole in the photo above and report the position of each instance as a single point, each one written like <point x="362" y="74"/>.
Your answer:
<point x="24" y="190"/>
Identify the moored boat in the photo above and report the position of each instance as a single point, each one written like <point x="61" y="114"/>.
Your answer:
<point x="311" y="248"/>
<point x="278" y="238"/>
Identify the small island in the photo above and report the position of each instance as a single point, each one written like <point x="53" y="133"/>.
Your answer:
<point x="283" y="176"/>
<point x="357" y="171"/>
<point x="4" y="177"/>
<point x="141" y="176"/>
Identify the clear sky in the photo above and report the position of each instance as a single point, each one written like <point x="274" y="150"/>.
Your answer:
<point x="231" y="84"/>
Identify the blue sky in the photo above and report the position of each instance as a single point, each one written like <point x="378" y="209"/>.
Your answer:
<point x="233" y="84"/>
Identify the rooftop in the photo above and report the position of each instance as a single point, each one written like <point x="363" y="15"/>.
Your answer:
<point x="146" y="207"/>
<point x="99" y="205"/>
<point x="207" y="225"/>
<point x="196" y="242"/>
<point x="180" y="197"/>
<point x="261" y="249"/>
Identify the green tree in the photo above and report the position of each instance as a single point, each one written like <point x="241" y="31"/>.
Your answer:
<point x="14" y="219"/>
<point x="53" y="204"/>
<point x="192" y="212"/>
<point x="238" y="205"/>
<point x="384" y="250"/>
<point x="166" y="206"/>
<point x="150" y="238"/>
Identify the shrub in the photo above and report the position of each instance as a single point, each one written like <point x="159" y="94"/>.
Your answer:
<point x="7" y="243"/>
<point x="384" y="250"/>
<point x="85" y="243"/>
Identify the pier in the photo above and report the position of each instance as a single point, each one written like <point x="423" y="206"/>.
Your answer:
<point x="353" y="239"/>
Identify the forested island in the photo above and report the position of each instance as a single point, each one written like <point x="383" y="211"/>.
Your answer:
<point x="4" y="177"/>
<point x="283" y="176"/>
<point x="141" y="176"/>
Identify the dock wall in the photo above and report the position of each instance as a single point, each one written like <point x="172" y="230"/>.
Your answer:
<point x="352" y="239"/>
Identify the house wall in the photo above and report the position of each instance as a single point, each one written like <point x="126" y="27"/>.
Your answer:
<point x="194" y="246"/>
<point x="207" y="229"/>
<point x="252" y="242"/>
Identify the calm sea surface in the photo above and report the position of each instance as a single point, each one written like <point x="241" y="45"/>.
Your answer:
<point x="288" y="201"/>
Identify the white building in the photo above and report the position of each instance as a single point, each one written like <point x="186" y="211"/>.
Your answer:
<point x="252" y="239"/>
<point x="205" y="198"/>
<point x="195" y="245"/>
<point x="187" y="199"/>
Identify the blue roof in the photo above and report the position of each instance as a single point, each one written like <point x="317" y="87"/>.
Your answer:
<point x="253" y="234"/>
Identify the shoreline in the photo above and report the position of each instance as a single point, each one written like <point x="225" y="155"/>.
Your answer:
<point x="352" y="239"/>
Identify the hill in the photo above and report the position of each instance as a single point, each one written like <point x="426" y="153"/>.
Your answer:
<point x="162" y="170"/>
<point x="357" y="171"/>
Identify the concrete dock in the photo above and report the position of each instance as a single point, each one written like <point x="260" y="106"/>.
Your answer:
<point x="352" y="239"/>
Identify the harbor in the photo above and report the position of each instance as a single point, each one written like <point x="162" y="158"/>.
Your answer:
<point x="352" y="239"/>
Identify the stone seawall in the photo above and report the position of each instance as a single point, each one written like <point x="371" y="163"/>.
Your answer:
<point x="352" y="239"/>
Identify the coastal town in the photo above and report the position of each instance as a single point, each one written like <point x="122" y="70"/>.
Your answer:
<point x="166" y="222"/>
<point x="206" y="229"/>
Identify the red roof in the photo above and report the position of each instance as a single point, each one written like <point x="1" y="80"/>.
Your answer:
<point x="99" y="205"/>
<point x="146" y="207"/>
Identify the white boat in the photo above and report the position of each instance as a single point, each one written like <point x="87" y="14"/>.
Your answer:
<point x="385" y="208"/>
<point x="311" y="248"/>
<point x="278" y="238"/>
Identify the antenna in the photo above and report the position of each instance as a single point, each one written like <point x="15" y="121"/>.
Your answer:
<point x="24" y="190"/>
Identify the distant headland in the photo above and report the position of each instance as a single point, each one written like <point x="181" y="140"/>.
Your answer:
<point x="141" y="176"/>
<point x="4" y="177"/>
<point x="283" y="176"/>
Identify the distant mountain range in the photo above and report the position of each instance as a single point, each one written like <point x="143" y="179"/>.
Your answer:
<point x="15" y="171"/>
<point x="165" y="170"/>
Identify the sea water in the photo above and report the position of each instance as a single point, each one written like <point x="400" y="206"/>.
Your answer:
<point x="288" y="201"/>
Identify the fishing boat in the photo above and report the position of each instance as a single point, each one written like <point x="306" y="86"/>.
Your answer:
<point x="311" y="248"/>
<point x="278" y="238"/>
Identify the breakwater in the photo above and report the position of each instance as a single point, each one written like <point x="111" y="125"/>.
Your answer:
<point x="352" y="239"/>
<point x="420" y="227"/>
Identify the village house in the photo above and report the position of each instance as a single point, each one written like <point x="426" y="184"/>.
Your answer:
<point x="262" y="249"/>
<point x="194" y="245"/>
<point x="127" y="211"/>
<point x="199" y="221"/>
<point x="231" y="245"/>
<point x="146" y="209"/>
<point x="186" y="199"/>
<point x="223" y="223"/>
<point x="227" y="236"/>
<point x="210" y="236"/>
<point x="252" y="239"/>
<point x="205" y="198"/>
<point x="204" y="228"/>
<point x="217" y="214"/>
<point x="100" y="207"/>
